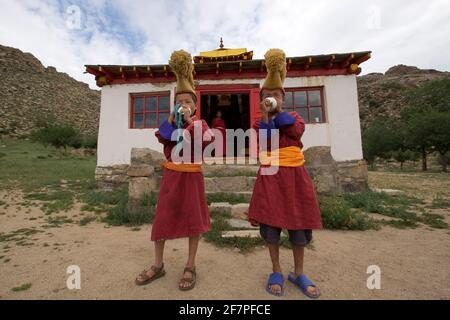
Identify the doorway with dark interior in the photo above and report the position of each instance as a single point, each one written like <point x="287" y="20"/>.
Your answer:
<point x="235" y="113"/>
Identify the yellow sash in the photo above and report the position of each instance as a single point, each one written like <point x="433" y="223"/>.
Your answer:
<point x="182" y="167"/>
<point x="284" y="157"/>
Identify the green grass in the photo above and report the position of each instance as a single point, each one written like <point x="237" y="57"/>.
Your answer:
<point x="17" y="235"/>
<point x="119" y="214"/>
<point x="376" y="202"/>
<point x="433" y="220"/>
<point x="97" y="201"/>
<point x="394" y="206"/>
<point x="31" y="166"/>
<point x="23" y="287"/>
<point x="244" y="244"/>
<point x="55" y="201"/>
<point x="56" y="222"/>
<point x="440" y="203"/>
<point x="219" y="225"/>
<point x="86" y="220"/>
<point x="401" y="224"/>
<point x="337" y="214"/>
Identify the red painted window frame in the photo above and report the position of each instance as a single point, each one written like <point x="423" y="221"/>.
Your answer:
<point x="145" y="96"/>
<point x="306" y="89"/>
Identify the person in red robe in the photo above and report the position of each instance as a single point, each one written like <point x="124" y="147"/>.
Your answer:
<point x="182" y="209"/>
<point x="219" y="124"/>
<point x="286" y="199"/>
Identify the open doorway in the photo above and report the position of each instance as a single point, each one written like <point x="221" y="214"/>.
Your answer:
<point x="235" y="113"/>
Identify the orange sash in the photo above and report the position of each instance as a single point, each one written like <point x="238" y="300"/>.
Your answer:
<point x="182" y="167"/>
<point x="284" y="157"/>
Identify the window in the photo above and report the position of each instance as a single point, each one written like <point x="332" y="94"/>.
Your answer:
<point x="149" y="110"/>
<point x="307" y="102"/>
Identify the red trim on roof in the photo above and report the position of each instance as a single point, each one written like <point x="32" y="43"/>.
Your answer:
<point x="320" y="65"/>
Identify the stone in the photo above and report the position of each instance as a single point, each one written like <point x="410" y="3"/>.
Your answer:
<point x="220" y="207"/>
<point x="211" y="170"/>
<point x="120" y="169"/>
<point x="229" y="184"/>
<point x="119" y="178"/>
<point x="241" y="234"/>
<point x="240" y="211"/>
<point x="352" y="176"/>
<point x="147" y="156"/>
<point x="320" y="155"/>
<point x="391" y="192"/>
<point x="142" y="170"/>
<point x="139" y="186"/>
<point x="334" y="177"/>
<point x="241" y="224"/>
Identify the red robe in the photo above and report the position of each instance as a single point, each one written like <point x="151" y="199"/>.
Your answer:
<point x="219" y="124"/>
<point x="182" y="209"/>
<point x="286" y="199"/>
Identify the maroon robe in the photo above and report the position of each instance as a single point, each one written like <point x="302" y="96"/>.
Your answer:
<point x="182" y="209"/>
<point x="219" y="124"/>
<point x="286" y="199"/>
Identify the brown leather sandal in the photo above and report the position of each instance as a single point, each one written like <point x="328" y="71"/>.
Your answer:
<point x="189" y="281"/>
<point x="145" y="279"/>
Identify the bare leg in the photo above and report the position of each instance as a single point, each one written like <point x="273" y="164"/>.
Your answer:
<point x="274" y="250"/>
<point x="159" y="253"/>
<point x="193" y="246"/>
<point x="299" y="253"/>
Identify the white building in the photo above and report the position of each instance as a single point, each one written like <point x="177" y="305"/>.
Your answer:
<point x="321" y="88"/>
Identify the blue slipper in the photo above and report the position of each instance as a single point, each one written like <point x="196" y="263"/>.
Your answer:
<point x="303" y="283"/>
<point x="275" y="278"/>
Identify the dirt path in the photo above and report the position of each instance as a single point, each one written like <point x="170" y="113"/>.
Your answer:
<point x="415" y="263"/>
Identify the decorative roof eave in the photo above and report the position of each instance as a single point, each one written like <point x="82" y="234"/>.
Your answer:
<point x="331" y="64"/>
<point x="247" y="55"/>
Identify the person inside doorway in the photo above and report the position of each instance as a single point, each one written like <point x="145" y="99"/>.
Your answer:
<point x="219" y="124"/>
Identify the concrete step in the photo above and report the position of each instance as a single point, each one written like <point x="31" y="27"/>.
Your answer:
<point x="241" y="224"/>
<point x="241" y="234"/>
<point x="229" y="184"/>
<point x="245" y="196"/>
<point x="237" y="211"/>
<point x="220" y="170"/>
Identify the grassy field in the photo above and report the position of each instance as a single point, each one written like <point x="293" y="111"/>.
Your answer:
<point x="56" y="183"/>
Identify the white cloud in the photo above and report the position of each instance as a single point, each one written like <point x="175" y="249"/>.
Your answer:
<point x="146" y="32"/>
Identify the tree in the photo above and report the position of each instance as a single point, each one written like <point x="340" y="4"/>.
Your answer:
<point x="427" y="117"/>
<point x="378" y="140"/>
<point x="49" y="131"/>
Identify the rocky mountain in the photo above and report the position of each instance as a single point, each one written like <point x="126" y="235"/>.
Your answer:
<point x="27" y="88"/>
<point x="385" y="94"/>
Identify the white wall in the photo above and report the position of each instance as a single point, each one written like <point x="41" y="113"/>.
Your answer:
<point x="115" y="138"/>
<point x="341" y="131"/>
<point x="342" y="128"/>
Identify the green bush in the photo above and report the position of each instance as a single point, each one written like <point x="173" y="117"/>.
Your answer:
<point x="337" y="214"/>
<point x="58" y="135"/>
<point x="120" y="215"/>
<point x="90" y="142"/>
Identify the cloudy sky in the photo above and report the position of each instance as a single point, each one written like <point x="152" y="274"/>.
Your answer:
<point x="69" y="34"/>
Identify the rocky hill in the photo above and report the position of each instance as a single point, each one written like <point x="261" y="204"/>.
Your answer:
<point x="385" y="94"/>
<point x="28" y="87"/>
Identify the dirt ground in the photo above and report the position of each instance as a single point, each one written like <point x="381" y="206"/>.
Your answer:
<point x="414" y="263"/>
